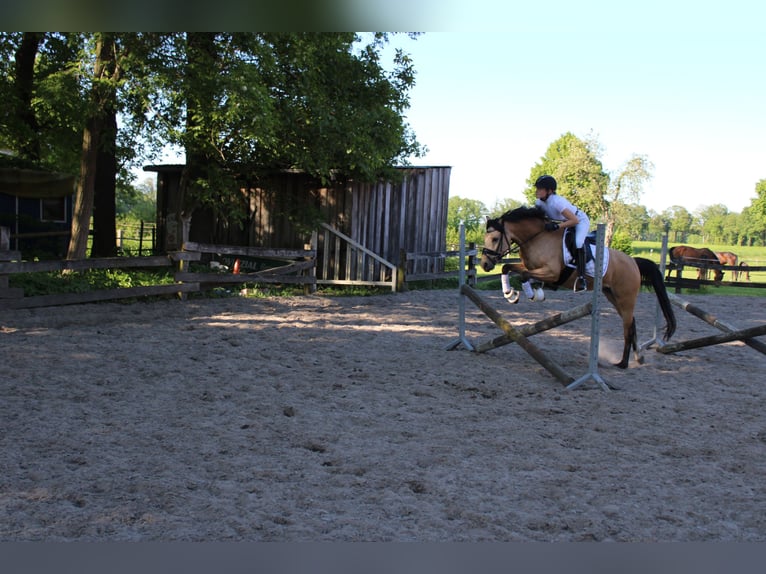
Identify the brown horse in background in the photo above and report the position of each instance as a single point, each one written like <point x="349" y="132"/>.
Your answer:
<point x="730" y="260"/>
<point x="542" y="258"/>
<point x="700" y="255"/>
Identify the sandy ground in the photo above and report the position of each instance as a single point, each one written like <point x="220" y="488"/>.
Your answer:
<point x="346" y="419"/>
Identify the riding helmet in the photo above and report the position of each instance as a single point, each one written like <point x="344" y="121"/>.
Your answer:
<point x="546" y="182"/>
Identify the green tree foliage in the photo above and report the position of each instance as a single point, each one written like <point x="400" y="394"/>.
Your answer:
<point x="244" y="105"/>
<point x="581" y="177"/>
<point x="501" y="207"/>
<point x="136" y="202"/>
<point x="624" y="190"/>
<point x="241" y="105"/>
<point x="472" y="213"/>
<point x="681" y="222"/>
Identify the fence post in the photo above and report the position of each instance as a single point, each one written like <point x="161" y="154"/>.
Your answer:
<point x="309" y="288"/>
<point x="472" y="279"/>
<point x="401" y="271"/>
<point x="141" y="238"/>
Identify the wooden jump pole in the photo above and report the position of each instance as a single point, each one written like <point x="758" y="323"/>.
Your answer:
<point x="516" y="336"/>
<point x="715" y="322"/>
<point x="542" y="325"/>
<point x="714" y="339"/>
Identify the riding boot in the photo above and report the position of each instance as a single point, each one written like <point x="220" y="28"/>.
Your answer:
<point x="581" y="283"/>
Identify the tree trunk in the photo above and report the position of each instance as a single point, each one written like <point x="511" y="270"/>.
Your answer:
<point x="29" y="143"/>
<point x="83" y="199"/>
<point x="101" y="102"/>
<point x="104" y="208"/>
<point x="609" y="232"/>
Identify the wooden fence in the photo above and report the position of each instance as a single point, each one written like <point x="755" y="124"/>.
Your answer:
<point x="678" y="282"/>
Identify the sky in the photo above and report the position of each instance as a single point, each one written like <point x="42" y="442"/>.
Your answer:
<point x="683" y="83"/>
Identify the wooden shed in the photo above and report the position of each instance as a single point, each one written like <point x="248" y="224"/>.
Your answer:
<point x="36" y="207"/>
<point x="385" y="218"/>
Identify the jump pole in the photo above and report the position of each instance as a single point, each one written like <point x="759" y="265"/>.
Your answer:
<point x="598" y="273"/>
<point x="741" y="335"/>
<point x="462" y="339"/>
<point x="712" y="320"/>
<point x="514" y="334"/>
<point x="543" y="325"/>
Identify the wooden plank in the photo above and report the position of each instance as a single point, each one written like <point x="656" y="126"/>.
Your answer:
<point x="741" y="335"/>
<point x="712" y="320"/>
<point x="550" y="365"/>
<point x="283" y="269"/>
<point x="85" y="264"/>
<point x="11" y="255"/>
<point x="11" y="293"/>
<point x="185" y="255"/>
<point x="540" y="326"/>
<point x="355" y="244"/>
<point x="227" y="278"/>
<point x="95" y="296"/>
<point x="265" y="252"/>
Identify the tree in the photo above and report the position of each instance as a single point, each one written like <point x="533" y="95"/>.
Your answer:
<point x="42" y="121"/>
<point x="632" y="219"/>
<point x="581" y="177"/>
<point x="107" y="71"/>
<point x="624" y="189"/>
<point x="710" y="221"/>
<point x="501" y="207"/>
<point x="472" y="213"/>
<point x="755" y="215"/>
<point x="246" y="105"/>
<point x="242" y="106"/>
<point x="680" y="221"/>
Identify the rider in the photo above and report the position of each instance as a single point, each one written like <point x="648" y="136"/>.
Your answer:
<point x="558" y="208"/>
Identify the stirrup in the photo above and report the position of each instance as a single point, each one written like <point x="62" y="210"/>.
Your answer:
<point x="580" y="281"/>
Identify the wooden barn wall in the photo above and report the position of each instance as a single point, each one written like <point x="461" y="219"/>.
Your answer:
<point x="384" y="217"/>
<point x="410" y="216"/>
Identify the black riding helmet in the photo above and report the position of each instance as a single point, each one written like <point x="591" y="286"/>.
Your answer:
<point x="546" y="182"/>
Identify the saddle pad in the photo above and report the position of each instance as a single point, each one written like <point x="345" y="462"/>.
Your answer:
<point x="589" y="265"/>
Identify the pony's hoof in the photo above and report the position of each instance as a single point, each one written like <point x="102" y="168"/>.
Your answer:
<point x="512" y="296"/>
<point x="539" y="295"/>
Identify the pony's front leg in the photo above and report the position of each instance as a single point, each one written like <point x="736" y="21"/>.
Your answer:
<point x="533" y="293"/>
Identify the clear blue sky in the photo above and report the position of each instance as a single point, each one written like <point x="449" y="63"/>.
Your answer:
<point x="683" y="83"/>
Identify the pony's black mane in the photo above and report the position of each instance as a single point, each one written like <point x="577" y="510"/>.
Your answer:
<point x="514" y="215"/>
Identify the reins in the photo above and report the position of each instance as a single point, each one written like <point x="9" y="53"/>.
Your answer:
<point x="501" y="228"/>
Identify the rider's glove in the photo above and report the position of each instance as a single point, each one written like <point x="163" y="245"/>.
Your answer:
<point x="551" y="226"/>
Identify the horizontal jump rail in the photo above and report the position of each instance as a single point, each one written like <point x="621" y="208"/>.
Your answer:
<point x="740" y="335"/>
<point x="516" y="336"/>
<point x="714" y="321"/>
<point x="540" y="326"/>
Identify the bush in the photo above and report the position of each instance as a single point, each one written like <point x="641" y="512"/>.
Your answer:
<point x="622" y="242"/>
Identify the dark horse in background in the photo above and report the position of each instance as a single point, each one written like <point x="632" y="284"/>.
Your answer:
<point x="681" y="254"/>
<point x="542" y="258"/>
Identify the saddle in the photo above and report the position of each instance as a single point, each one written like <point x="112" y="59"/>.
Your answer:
<point x="570" y="248"/>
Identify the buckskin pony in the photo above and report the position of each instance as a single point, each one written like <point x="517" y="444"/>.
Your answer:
<point x="542" y="258"/>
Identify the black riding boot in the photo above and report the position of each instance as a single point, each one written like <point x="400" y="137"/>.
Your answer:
<point x="581" y="283"/>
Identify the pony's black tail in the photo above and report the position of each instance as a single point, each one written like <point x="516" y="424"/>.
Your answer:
<point x="650" y="275"/>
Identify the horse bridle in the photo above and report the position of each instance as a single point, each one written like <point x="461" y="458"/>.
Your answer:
<point x="496" y="256"/>
<point x="493" y="255"/>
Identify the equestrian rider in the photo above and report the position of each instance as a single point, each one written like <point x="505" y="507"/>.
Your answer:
<point x="558" y="208"/>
